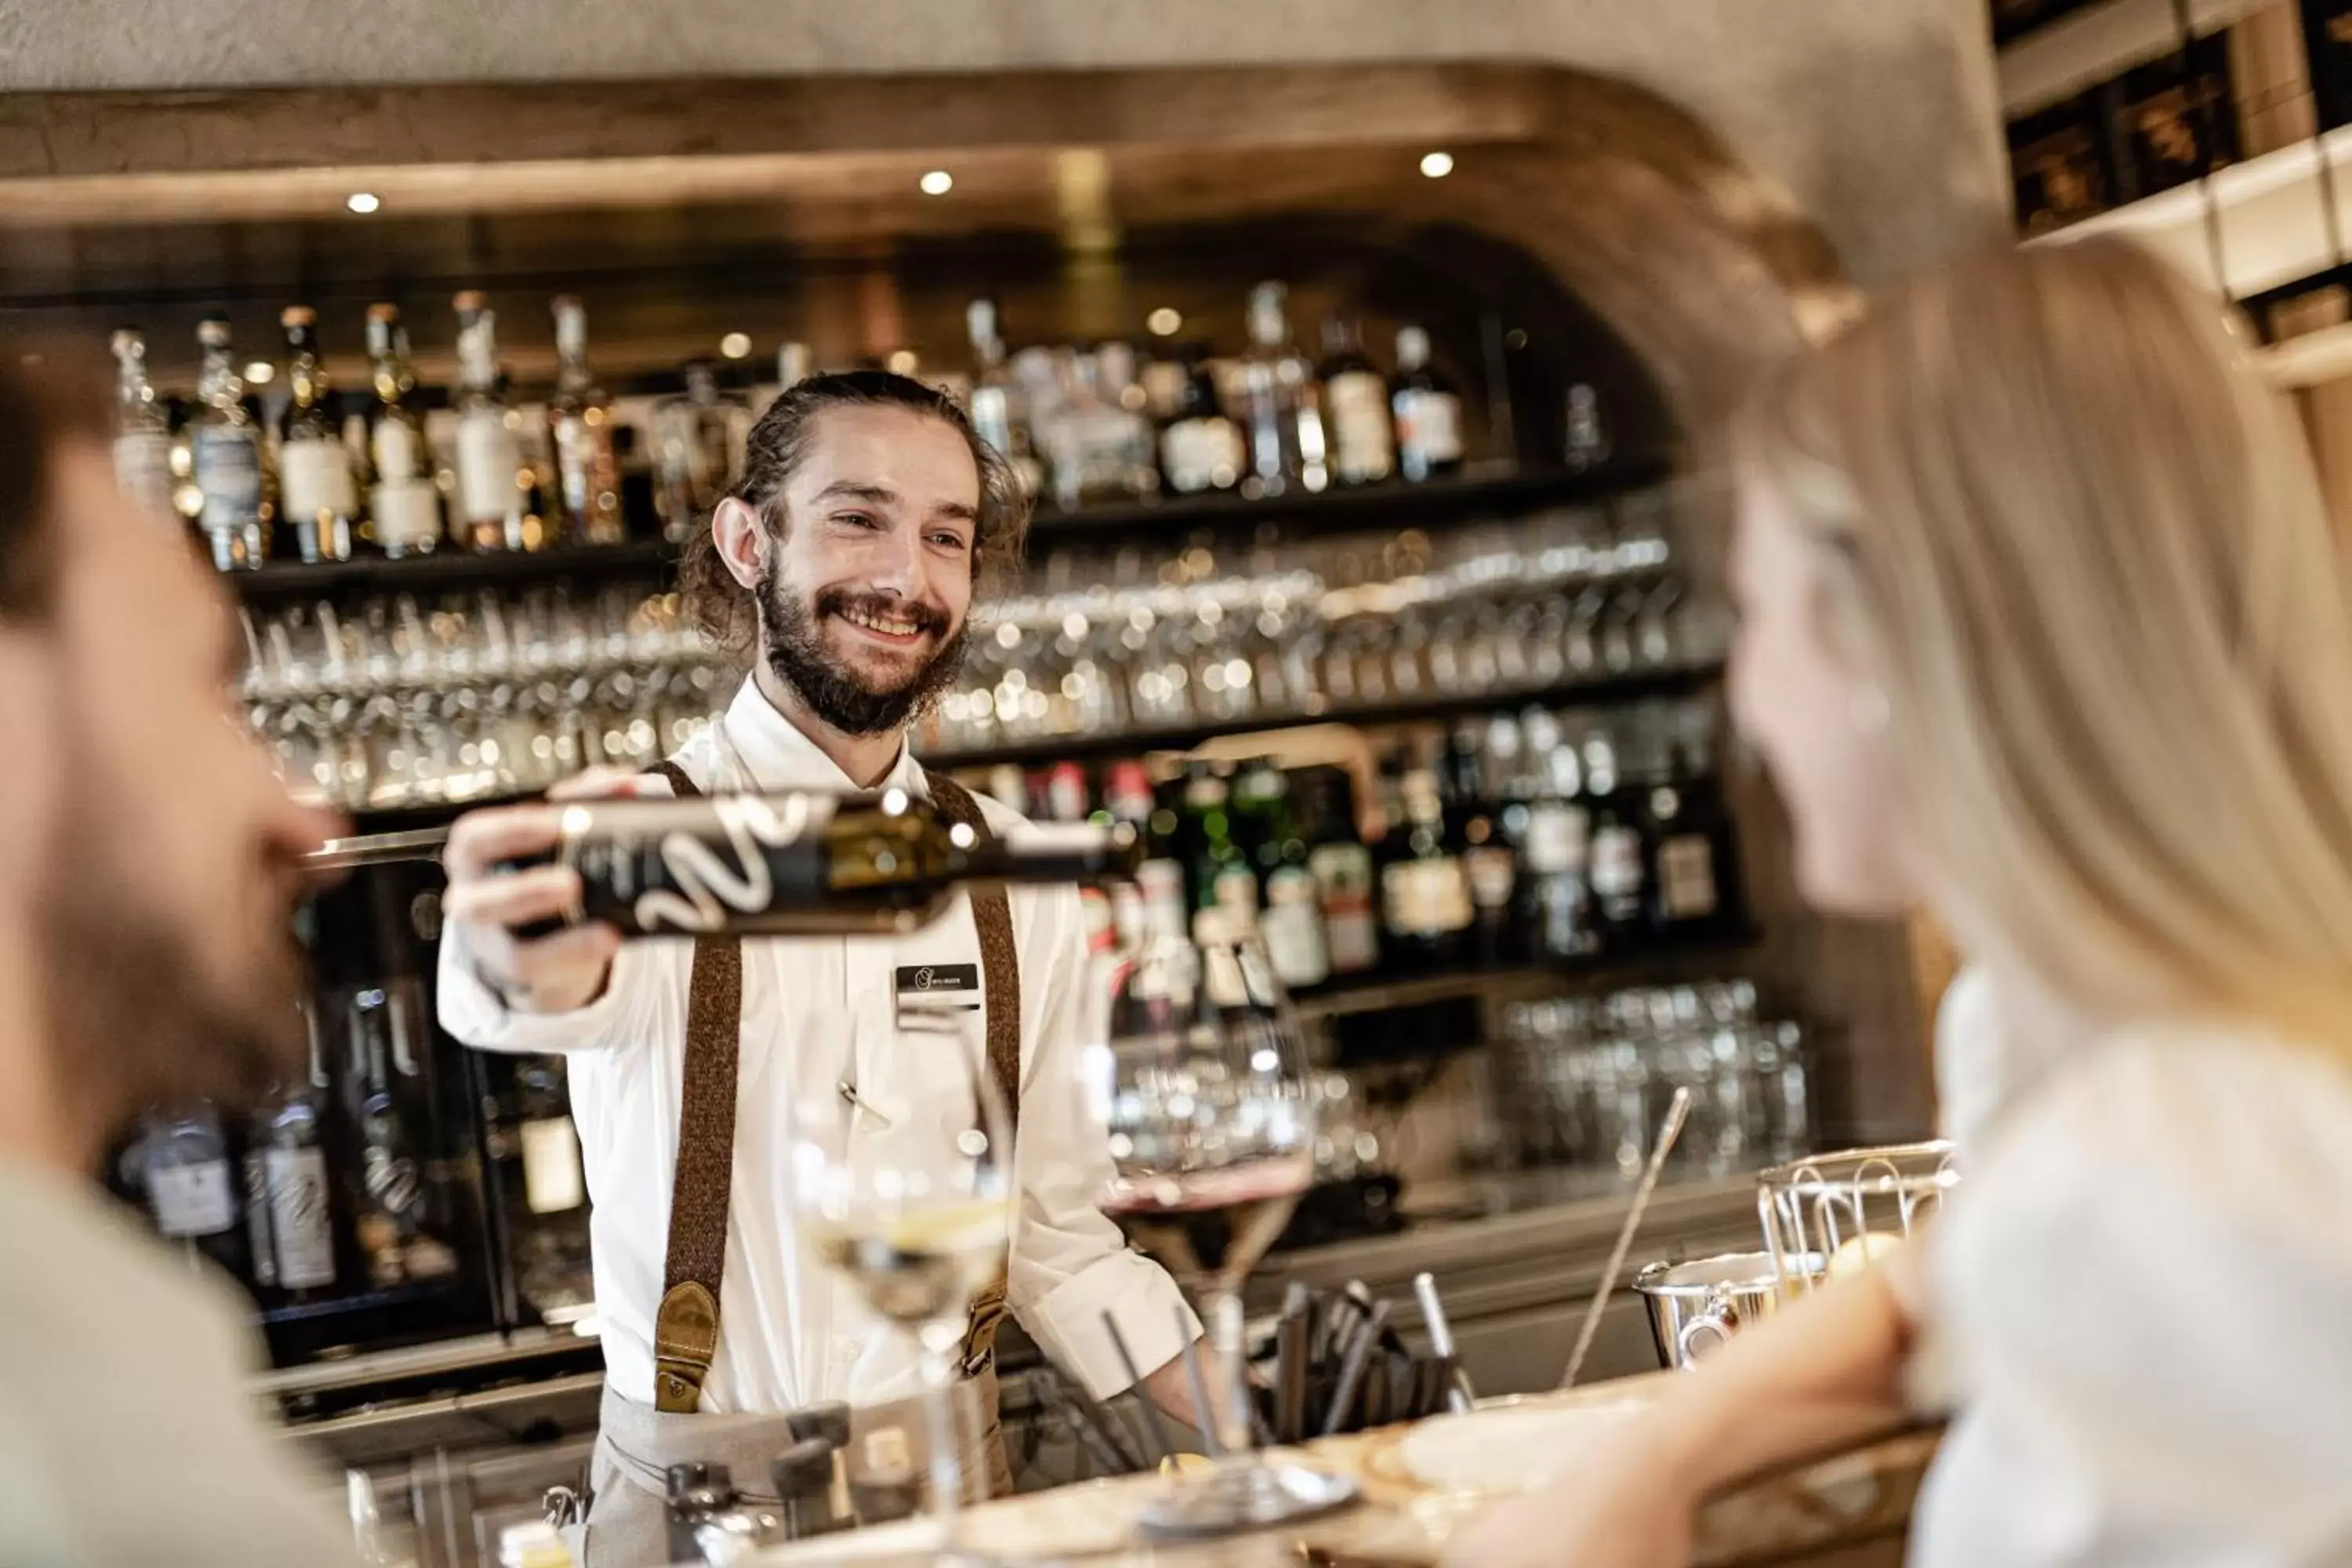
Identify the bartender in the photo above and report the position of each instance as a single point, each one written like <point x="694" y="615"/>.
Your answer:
<point x="846" y="558"/>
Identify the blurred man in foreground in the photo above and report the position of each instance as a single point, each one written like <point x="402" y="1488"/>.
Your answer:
<point x="148" y="865"/>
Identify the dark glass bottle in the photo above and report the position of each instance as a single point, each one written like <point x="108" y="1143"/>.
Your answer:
<point x="1428" y="412"/>
<point x="389" y="1202"/>
<point x="1475" y="833"/>
<point x="318" y="499"/>
<point x="1200" y="449"/>
<point x="1356" y="408"/>
<point x="1695" y="888"/>
<point x="1620" y="849"/>
<point x="1219" y="870"/>
<point x="1556" y="897"/>
<point x="1425" y="896"/>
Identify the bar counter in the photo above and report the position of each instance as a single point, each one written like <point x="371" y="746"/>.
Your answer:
<point x="1850" y="1510"/>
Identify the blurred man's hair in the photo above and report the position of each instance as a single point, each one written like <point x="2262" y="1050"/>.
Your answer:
<point x="50" y="396"/>
<point x="721" y="608"/>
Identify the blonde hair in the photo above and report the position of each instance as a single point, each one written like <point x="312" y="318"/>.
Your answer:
<point x="2078" y="541"/>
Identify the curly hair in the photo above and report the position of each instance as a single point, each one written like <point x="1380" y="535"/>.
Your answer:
<point x="721" y="609"/>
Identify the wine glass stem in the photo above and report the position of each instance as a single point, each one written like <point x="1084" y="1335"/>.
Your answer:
<point x="939" y="1411"/>
<point x="1232" y="1415"/>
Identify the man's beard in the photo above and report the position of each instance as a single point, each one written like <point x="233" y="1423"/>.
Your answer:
<point x="792" y="630"/>
<point x="135" y="1016"/>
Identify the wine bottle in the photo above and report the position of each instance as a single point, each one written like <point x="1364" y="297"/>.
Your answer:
<point x="317" y="496"/>
<point x="1424" y="895"/>
<point x="580" y="423"/>
<point x="142" y="430"/>
<point x="1474" y="832"/>
<point x="390" y="1196"/>
<point x="1428" y="412"/>
<point x="1619" y="859"/>
<point x="226" y="459"/>
<point x="294" y="1167"/>
<point x="1342" y="869"/>
<point x="553" y="1179"/>
<point x="1292" y="925"/>
<point x="1221" y="875"/>
<point x="1556" y="894"/>
<point x="404" y="503"/>
<point x="190" y="1189"/>
<point x="796" y="865"/>
<point x="1363" y="442"/>
<point x="491" y="479"/>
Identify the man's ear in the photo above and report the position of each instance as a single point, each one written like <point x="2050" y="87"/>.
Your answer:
<point x="742" y="540"/>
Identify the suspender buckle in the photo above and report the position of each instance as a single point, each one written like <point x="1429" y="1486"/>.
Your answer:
<point x="685" y="1338"/>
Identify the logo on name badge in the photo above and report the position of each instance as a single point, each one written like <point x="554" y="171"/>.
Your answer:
<point x="936" y="979"/>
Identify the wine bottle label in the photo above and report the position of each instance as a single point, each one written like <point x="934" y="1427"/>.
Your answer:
<point x="1556" y="837"/>
<point x="400" y="452"/>
<point x="1293" y="924"/>
<point x="406" y="513"/>
<point x="1493" y="876"/>
<point x="256" y="1219"/>
<point x="686" y="879"/>
<point x="552" y="1180"/>
<point x="391" y="1178"/>
<point x="1363" y="447"/>
<point x="314" y="479"/>
<point x="1427" y="898"/>
<point x="1343" y="877"/>
<point x="1687" y="877"/>
<point x="1429" y="424"/>
<point x="298" y="1214"/>
<point x="191" y="1200"/>
<point x="226" y="462"/>
<point x="1234" y="887"/>
<point x="1203" y="454"/>
<point x="1617" y="862"/>
<point x="488" y="461"/>
<point x="142" y="468"/>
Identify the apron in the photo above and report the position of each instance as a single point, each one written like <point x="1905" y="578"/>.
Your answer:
<point x="626" y="1505"/>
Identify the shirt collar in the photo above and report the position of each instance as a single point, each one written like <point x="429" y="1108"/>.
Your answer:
<point x="778" y="756"/>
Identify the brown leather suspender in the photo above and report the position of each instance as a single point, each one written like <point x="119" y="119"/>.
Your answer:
<point x="685" y="1329"/>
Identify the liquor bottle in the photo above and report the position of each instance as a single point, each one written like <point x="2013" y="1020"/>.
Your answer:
<point x="1556" y="897"/>
<point x="489" y="514"/>
<point x="1219" y="870"/>
<point x="553" y="1181"/>
<point x="1425" y="893"/>
<point x="1066" y="792"/>
<point x="1620" y="860"/>
<point x="143" y="431"/>
<point x="317" y="497"/>
<point x="697" y="434"/>
<point x="999" y="412"/>
<point x="225" y="459"/>
<point x="1695" y="888"/>
<point x="805" y="864"/>
<point x="191" y="1194"/>
<point x="1587" y="446"/>
<point x="1342" y="869"/>
<point x="1292" y="923"/>
<point x="294" y="1169"/>
<point x="1475" y="833"/>
<point x="404" y="503"/>
<point x="1127" y="796"/>
<point x="1428" y="412"/>
<point x="260" y="1235"/>
<point x="1200" y="449"/>
<point x="1356" y="405"/>
<point x="1100" y="450"/>
<point x="391" y="1202"/>
<point x="1287" y="440"/>
<point x="580" y="423"/>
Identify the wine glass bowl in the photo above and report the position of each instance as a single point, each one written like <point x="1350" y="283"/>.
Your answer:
<point x="1197" y="1071"/>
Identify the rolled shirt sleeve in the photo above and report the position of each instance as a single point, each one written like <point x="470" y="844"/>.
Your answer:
<point x="1070" y="1266"/>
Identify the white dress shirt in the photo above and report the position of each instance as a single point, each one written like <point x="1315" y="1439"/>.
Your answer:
<point x="791" y="1333"/>
<point x="1978" y="1066"/>
<point x="2145" y="1285"/>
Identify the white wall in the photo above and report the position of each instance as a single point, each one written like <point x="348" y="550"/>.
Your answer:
<point x="1879" y="115"/>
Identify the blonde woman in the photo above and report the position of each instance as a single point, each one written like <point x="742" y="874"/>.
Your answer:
<point x="2044" y="627"/>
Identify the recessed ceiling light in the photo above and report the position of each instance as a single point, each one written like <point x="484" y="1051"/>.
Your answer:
<point x="362" y="201"/>
<point x="735" y="345"/>
<point x="937" y="182"/>
<point x="259" y="371"/>
<point x="1165" y="322"/>
<point x="1437" y="165"/>
<point x="902" y="362"/>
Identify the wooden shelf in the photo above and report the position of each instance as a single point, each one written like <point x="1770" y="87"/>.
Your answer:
<point x="1494" y="493"/>
<point x="2083" y="49"/>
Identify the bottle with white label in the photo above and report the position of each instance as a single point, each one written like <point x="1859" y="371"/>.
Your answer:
<point x="192" y="1192"/>
<point x="142" y="432"/>
<point x="1200" y="449"/>
<point x="1425" y="893"/>
<point x="1428" y="412"/>
<point x="226" y="460"/>
<point x="1292" y="920"/>
<point x="491" y="480"/>
<point x="1556" y="897"/>
<point x="553" y="1179"/>
<point x="580" y="425"/>
<point x="1696" y="883"/>
<point x="1342" y="869"/>
<point x="1355" y="408"/>
<point x="404" y="503"/>
<point x="316" y="495"/>
<point x="294" y="1173"/>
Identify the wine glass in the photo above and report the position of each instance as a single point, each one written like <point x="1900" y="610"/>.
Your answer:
<point x="900" y="1178"/>
<point x="1195" y="1067"/>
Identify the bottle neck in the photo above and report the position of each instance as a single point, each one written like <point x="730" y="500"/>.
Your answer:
<point x="220" y="385"/>
<point x="304" y="379"/>
<point x="1058" y="852"/>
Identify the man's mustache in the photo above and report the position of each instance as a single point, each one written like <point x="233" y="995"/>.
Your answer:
<point x="882" y="607"/>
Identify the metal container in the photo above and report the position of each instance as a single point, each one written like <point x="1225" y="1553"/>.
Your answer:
<point x="1696" y="1305"/>
<point x="1828" y="1204"/>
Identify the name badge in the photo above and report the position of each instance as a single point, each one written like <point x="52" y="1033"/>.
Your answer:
<point x="939" y="985"/>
